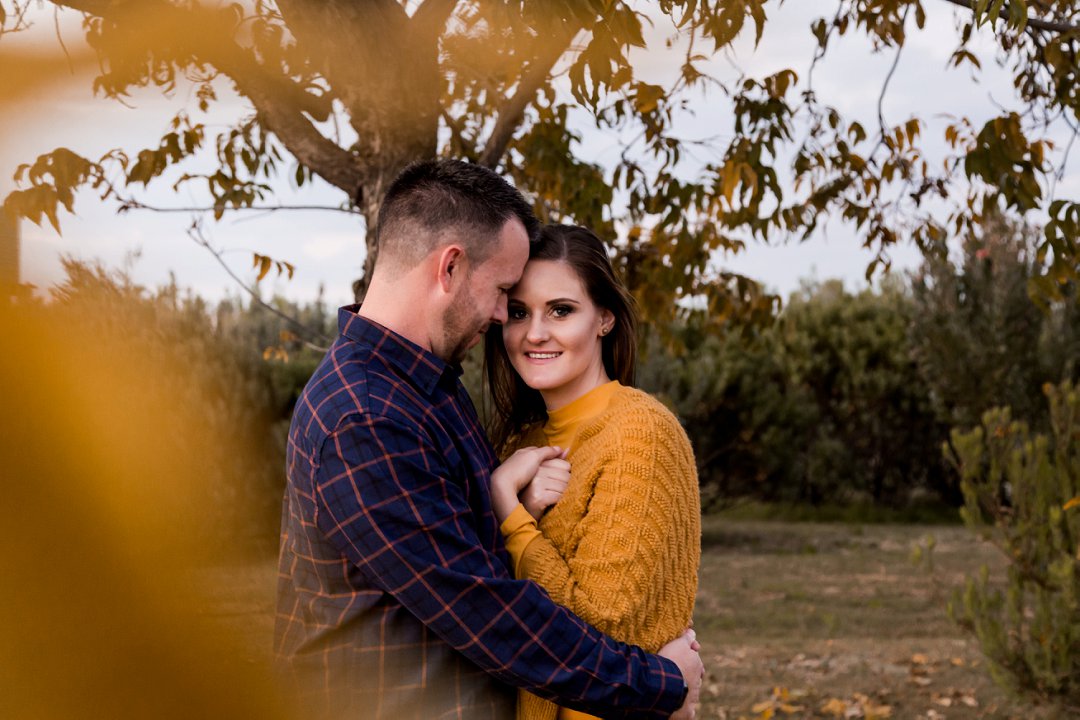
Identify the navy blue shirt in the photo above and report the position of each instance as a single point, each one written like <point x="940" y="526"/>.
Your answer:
<point x="394" y="594"/>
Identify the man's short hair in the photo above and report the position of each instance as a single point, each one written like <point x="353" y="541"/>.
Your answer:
<point x="434" y="197"/>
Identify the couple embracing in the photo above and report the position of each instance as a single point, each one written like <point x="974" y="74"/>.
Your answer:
<point x="419" y="577"/>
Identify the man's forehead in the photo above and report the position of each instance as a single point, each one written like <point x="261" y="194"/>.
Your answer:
<point x="512" y="251"/>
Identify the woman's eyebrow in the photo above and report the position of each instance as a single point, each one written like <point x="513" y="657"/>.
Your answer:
<point x="559" y="301"/>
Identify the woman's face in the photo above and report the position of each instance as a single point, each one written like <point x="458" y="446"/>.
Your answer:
<point x="554" y="331"/>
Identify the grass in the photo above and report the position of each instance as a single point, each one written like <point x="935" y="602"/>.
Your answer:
<point x="826" y="619"/>
<point x="801" y="620"/>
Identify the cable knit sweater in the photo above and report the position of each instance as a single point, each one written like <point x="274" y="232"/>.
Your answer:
<point x="622" y="546"/>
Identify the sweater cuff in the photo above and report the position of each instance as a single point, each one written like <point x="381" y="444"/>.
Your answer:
<point x="519" y="529"/>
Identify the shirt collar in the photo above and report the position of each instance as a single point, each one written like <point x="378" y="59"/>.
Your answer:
<point x="422" y="366"/>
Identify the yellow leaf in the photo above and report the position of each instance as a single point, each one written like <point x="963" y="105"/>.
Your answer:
<point x="266" y="264"/>
<point x="648" y="97"/>
<point x="1075" y="502"/>
<point x="730" y="180"/>
<point x="919" y="659"/>
<point x="835" y="706"/>
<point x="762" y="707"/>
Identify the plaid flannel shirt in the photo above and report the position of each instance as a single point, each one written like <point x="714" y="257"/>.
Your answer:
<point x="394" y="598"/>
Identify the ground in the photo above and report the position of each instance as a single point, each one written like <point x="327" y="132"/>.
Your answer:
<point x="797" y="620"/>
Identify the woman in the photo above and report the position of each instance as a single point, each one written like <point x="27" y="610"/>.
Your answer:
<point x="621" y="546"/>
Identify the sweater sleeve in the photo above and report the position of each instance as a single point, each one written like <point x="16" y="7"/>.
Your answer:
<point x="519" y="529"/>
<point x="640" y="495"/>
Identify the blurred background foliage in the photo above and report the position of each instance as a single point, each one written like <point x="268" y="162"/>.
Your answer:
<point x="841" y="400"/>
<point x="233" y="369"/>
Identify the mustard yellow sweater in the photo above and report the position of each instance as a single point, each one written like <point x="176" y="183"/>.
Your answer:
<point x="622" y="546"/>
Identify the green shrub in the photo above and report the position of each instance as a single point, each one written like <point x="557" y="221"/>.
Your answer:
<point x="1021" y="492"/>
<point x="825" y="406"/>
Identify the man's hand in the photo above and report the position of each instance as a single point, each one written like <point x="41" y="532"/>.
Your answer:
<point x="514" y="474"/>
<point x="547" y="486"/>
<point x="683" y="652"/>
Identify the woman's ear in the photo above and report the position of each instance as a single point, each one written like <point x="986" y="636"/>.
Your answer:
<point x="607" y="321"/>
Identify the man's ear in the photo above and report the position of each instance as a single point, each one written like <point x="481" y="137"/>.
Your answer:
<point x="451" y="268"/>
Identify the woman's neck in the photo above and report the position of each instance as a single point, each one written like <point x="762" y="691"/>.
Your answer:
<point x="563" y="396"/>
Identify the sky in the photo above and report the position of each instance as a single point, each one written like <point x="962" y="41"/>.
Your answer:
<point x="327" y="247"/>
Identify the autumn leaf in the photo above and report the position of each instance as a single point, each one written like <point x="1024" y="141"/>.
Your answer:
<point x="835" y="707"/>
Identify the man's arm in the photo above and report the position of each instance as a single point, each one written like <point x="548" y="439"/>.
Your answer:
<point x="385" y="501"/>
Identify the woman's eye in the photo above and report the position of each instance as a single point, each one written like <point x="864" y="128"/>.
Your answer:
<point x="516" y="313"/>
<point x="561" y="310"/>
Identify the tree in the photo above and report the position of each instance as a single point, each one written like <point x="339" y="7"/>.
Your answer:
<point x="498" y="82"/>
<point x="979" y="340"/>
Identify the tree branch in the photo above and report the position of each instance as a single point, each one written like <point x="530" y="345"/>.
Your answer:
<point x="196" y="234"/>
<point x="203" y="34"/>
<point x="512" y="111"/>
<point x="384" y="71"/>
<point x="888" y="78"/>
<point x="430" y="18"/>
<point x="127" y="204"/>
<point x="1038" y="24"/>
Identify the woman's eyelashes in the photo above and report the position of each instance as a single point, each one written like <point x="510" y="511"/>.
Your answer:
<point x="518" y="312"/>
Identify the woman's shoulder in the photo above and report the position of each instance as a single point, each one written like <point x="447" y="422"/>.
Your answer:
<point x="638" y="427"/>
<point x="633" y="407"/>
<point x="634" y="400"/>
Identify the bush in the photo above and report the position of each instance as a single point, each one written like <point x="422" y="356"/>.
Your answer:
<point x="1022" y="491"/>
<point x="824" y="406"/>
<point x="211" y="385"/>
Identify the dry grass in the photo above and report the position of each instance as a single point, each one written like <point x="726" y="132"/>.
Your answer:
<point x="806" y="620"/>
<point x="819" y="620"/>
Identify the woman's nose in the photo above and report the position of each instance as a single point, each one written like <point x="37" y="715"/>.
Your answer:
<point x="537" y="331"/>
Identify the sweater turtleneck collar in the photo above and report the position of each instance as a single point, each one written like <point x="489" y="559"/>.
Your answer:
<point x="563" y="424"/>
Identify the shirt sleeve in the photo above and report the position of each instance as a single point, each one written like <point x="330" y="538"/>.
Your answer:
<point x="624" y="537"/>
<point x="386" y="501"/>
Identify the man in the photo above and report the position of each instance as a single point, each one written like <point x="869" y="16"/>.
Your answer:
<point x="394" y="598"/>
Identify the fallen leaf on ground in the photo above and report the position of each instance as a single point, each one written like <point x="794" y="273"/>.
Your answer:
<point x="835" y="707"/>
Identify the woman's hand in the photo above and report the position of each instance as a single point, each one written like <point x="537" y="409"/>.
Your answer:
<point x="547" y="486"/>
<point x="514" y="474"/>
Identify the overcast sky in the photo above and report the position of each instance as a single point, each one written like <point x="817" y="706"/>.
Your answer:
<point x="327" y="247"/>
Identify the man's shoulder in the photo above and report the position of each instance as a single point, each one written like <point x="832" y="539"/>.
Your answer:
<point x="355" y="380"/>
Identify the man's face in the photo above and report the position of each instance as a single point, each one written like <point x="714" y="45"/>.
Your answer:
<point x="481" y="298"/>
